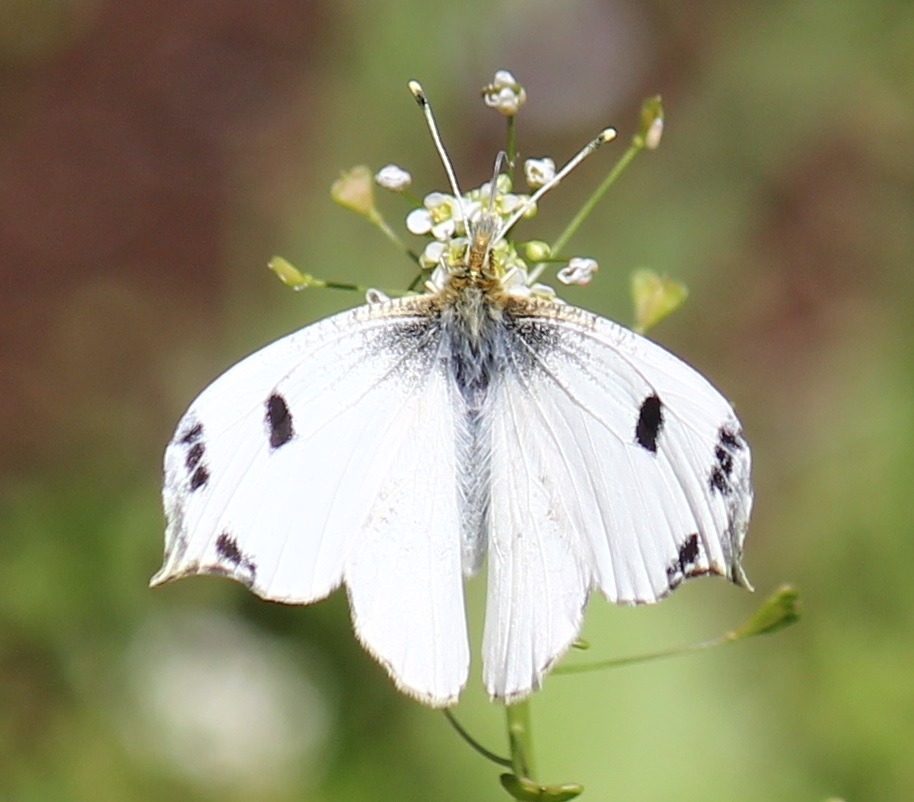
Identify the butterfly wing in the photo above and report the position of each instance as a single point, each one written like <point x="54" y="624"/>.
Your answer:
<point x="615" y="466"/>
<point x="297" y="470"/>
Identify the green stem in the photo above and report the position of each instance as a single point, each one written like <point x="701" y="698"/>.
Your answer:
<point x="520" y="738"/>
<point x="597" y="195"/>
<point x="416" y="284"/>
<point x="478" y="747"/>
<point x="511" y="145"/>
<point x="374" y="217"/>
<point x="583" y="668"/>
<point x="360" y="288"/>
<point x="338" y="285"/>
<point x="779" y="610"/>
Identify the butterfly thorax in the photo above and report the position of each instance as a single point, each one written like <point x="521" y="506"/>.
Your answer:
<point x="478" y="302"/>
<point x="482" y="235"/>
<point x="472" y="322"/>
<point x="474" y="288"/>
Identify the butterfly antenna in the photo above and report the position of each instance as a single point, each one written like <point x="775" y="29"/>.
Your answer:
<point x="419" y="94"/>
<point x="606" y="135"/>
<point x="500" y="161"/>
<point x="487" y="225"/>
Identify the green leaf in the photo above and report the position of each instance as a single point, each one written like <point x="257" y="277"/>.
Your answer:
<point x="354" y="189"/>
<point x="781" y="609"/>
<point x="291" y="276"/>
<point x="655" y="297"/>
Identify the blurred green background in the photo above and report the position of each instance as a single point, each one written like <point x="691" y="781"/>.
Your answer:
<point x="154" y="156"/>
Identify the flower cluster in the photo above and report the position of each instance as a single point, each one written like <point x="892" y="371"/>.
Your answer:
<point x="451" y="220"/>
<point x="448" y="219"/>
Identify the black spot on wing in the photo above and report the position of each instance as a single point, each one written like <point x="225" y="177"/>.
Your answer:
<point x="688" y="552"/>
<point x="194" y="456"/>
<point x="199" y="478"/>
<point x="730" y="439"/>
<point x="193" y="434"/>
<point x="191" y="440"/>
<point x="650" y="422"/>
<point x="228" y="550"/>
<point x="726" y="448"/>
<point x="684" y="564"/>
<point x="719" y="482"/>
<point x="227" y="547"/>
<point x="279" y="419"/>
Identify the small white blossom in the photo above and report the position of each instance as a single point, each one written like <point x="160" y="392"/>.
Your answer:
<point x="419" y="221"/>
<point x="431" y="256"/>
<point x="539" y="171"/>
<point x="505" y="201"/>
<point x="504" y="94"/>
<point x="437" y="281"/>
<point x="507" y="204"/>
<point x="439" y="216"/>
<point x="515" y="282"/>
<point x="393" y="177"/>
<point x="579" y="270"/>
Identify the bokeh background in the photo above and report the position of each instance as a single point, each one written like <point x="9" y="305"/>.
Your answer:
<point x="153" y="156"/>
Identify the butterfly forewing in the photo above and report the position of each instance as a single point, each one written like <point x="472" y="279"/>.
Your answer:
<point x="297" y="470"/>
<point x="614" y="466"/>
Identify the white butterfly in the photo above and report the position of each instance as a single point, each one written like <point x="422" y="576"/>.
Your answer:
<point x="395" y="447"/>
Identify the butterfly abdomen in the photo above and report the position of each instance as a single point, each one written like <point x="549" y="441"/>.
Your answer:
<point x="472" y="330"/>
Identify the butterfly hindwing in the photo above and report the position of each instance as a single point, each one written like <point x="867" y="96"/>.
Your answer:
<point x="403" y="573"/>
<point x="296" y="471"/>
<point x="615" y="466"/>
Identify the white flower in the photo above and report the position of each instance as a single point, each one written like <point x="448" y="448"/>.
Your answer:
<point x="504" y="203"/>
<point x="439" y="216"/>
<point x="437" y="281"/>
<point x="393" y="177"/>
<point x="419" y="221"/>
<point x="579" y="270"/>
<point x="444" y="254"/>
<point x="507" y="204"/>
<point x="515" y="282"/>
<point x="431" y="256"/>
<point x="539" y="171"/>
<point x="504" y="94"/>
